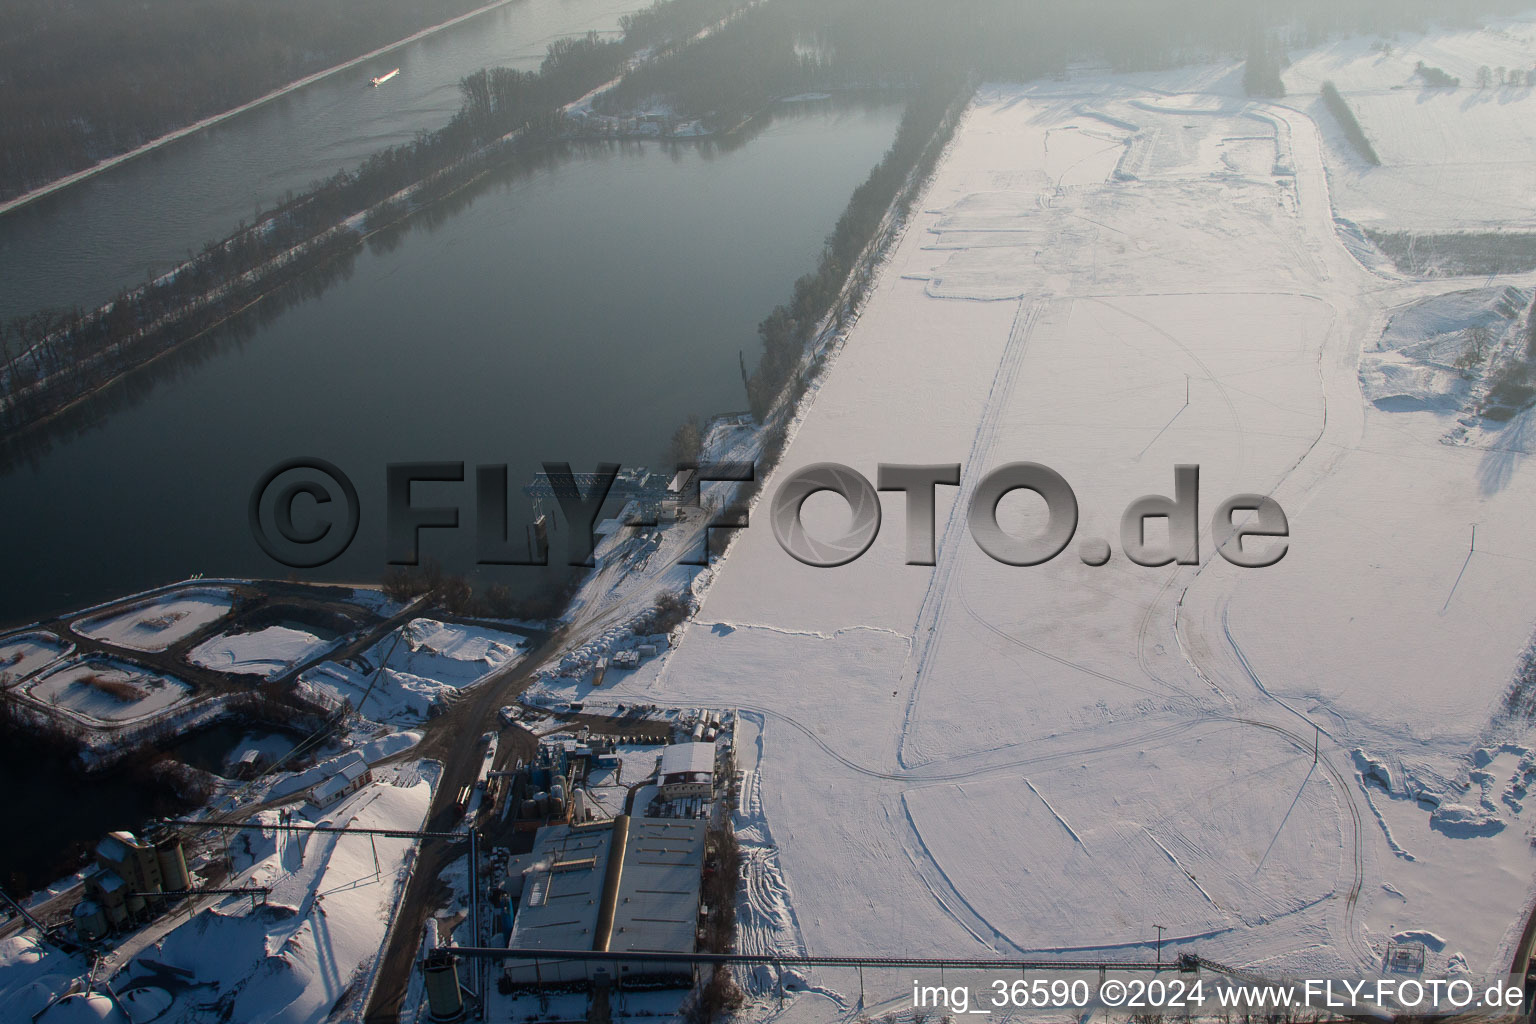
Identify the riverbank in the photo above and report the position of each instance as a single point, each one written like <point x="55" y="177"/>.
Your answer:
<point x="67" y="180"/>
<point x="62" y="360"/>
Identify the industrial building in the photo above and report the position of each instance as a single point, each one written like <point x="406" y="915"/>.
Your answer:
<point x="625" y="885"/>
<point x="687" y="772"/>
<point x="349" y="773"/>
<point x="128" y="872"/>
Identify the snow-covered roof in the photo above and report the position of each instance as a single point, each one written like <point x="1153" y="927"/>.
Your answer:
<point x="562" y="888"/>
<point x="655" y="906"/>
<point x="349" y="768"/>
<point x="658" y="904"/>
<point x="115" y="847"/>
<point x="688" y="757"/>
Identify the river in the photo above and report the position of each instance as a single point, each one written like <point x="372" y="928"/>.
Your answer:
<point x="577" y="313"/>
<point x="82" y="244"/>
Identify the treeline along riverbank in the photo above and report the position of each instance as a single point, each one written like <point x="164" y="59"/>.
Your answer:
<point x="51" y="359"/>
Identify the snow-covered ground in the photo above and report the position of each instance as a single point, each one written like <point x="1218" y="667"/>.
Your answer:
<point x="1461" y="159"/>
<point x="105" y="691"/>
<point x="1112" y="276"/>
<point x="311" y="949"/>
<point x="157" y="622"/>
<point x="25" y="653"/>
<point x="267" y="652"/>
<point x="431" y="661"/>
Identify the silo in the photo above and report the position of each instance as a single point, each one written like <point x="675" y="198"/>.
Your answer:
<point x="173" y="863"/>
<point x="444" y="1000"/>
<point x="90" y="921"/>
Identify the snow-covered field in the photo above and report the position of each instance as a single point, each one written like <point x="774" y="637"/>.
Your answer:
<point x="25" y="653"/>
<point x="106" y="691"/>
<point x="1112" y="276"/>
<point x="267" y="652"/>
<point x="1461" y="159"/>
<point x="159" y="621"/>
<point x="430" y="662"/>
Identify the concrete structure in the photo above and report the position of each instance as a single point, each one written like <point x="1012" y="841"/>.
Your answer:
<point x="350" y="773"/>
<point x="128" y="870"/>
<point x="444" y="1000"/>
<point x="90" y="921"/>
<point x="174" y="876"/>
<point x="687" y="771"/>
<point x="132" y="860"/>
<point x="626" y="885"/>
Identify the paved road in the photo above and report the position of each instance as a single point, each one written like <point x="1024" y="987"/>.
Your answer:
<point x="449" y="740"/>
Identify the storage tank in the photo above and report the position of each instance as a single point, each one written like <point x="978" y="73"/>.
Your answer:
<point x="557" y="791"/>
<point x="530" y="809"/>
<point x="444" y="1001"/>
<point x="90" y="921"/>
<point x="173" y="864"/>
<point x="135" y="903"/>
<point x="541" y="805"/>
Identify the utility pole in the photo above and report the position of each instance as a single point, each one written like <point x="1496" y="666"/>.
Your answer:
<point x="1317" y="740"/>
<point x="1160" y="930"/>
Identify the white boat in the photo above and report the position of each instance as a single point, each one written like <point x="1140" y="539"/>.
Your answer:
<point x="384" y="78"/>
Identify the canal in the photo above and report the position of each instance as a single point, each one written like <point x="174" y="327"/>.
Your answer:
<point x="577" y="312"/>
<point x="82" y="244"/>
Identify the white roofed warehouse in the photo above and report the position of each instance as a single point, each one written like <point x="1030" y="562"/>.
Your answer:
<point x="626" y="885"/>
<point x="687" y="771"/>
<point x="350" y="773"/>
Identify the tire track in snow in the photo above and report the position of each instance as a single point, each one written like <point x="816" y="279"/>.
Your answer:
<point x="951" y="548"/>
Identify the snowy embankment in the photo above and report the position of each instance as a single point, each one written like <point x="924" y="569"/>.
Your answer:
<point x="980" y="759"/>
<point x="425" y="663"/>
<point x="305" y="954"/>
<point x="312" y="946"/>
<point x="266" y="653"/>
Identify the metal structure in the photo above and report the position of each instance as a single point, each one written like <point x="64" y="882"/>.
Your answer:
<point x="1184" y="964"/>
<point x="251" y="890"/>
<point x="633" y="484"/>
<point x="388" y="833"/>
